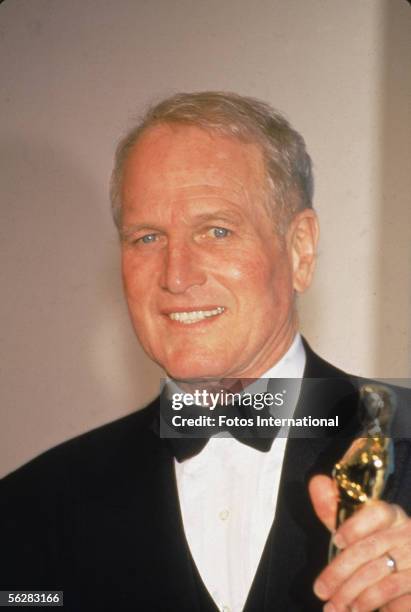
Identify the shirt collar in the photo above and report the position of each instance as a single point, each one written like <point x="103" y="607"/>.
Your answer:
<point x="291" y="364"/>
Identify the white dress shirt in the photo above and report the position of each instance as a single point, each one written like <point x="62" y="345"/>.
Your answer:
<point x="228" y="495"/>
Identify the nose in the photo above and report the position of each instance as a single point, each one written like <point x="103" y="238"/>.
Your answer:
<point x="182" y="268"/>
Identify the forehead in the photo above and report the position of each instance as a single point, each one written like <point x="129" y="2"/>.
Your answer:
<point x="178" y="157"/>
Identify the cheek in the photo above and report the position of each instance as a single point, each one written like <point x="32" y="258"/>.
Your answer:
<point x="243" y="266"/>
<point x="263" y="288"/>
<point x="130" y="281"/>
<point x="259" y="274"/>
<point x="135" y="284"/>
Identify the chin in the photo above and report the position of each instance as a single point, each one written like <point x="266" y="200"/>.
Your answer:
<point x="186" y="370"/>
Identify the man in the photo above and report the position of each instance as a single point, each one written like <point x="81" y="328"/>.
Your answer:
<point x="212" y="197"/>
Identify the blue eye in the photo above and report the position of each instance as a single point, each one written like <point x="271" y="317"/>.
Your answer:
<point x="220" y="232"/>
<point x="148" y="238"/>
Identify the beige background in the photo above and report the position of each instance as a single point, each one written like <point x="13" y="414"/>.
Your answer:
<point x="74" y="73"/>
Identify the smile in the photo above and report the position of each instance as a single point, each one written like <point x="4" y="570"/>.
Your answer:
<point x="196" y="315"/>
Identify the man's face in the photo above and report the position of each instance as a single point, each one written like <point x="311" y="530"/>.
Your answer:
<point x="209" y="284"/>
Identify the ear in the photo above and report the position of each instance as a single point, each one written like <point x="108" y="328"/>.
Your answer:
<point x="302" y="240"/>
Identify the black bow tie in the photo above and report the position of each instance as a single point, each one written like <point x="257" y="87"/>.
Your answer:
<point x="187" y="442"/>
<point x="184" y="448"/>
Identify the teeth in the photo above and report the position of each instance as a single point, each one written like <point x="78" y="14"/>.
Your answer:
<point x="194" y="316"/>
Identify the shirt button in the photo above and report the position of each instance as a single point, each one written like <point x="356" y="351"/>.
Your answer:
<point x="226" y="609"/>
<point x="224" y="516"/>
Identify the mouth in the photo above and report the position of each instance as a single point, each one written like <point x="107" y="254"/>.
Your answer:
<point x="194" y="316"/>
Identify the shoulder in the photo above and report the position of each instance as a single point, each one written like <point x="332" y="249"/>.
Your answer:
<point x="100" y="454"/>
<point x="341" y="386"/>
<point x="50" y="506"/>
<point x="317" y="367"/>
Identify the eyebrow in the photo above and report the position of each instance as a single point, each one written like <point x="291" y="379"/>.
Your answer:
<point x="126" y="232"/>
<point x="223" y="214"/>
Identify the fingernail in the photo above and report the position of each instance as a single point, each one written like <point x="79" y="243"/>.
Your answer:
<point x="339" y="541"/>
<point x="329" y="607"/>
<point x="320" y="589"/>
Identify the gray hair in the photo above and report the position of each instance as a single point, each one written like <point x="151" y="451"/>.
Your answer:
<point x="290" y="184"/>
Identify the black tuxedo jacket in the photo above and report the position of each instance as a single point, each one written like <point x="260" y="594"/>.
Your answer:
<point x="98" y="516"/>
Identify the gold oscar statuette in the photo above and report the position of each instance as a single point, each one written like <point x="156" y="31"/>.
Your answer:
<point x="363" y="471"/>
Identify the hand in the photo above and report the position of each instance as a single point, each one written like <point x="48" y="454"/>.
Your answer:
<point x="360" y="579"/>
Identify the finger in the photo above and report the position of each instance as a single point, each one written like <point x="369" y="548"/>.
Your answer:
<point x="366" y="576"/>
<point x="355" y="564"/>
<point x="385" y="592"/>
<point x="324" y="496"/>
<point x="402" y="604"/>
<point x="373" y="517"/>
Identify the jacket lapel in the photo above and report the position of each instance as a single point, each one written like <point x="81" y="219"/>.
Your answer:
<point x="297" y="546"/>
<point x="181" y="584"/>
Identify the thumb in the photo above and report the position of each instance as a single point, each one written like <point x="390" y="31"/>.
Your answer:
<point x="324" y="497"/>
